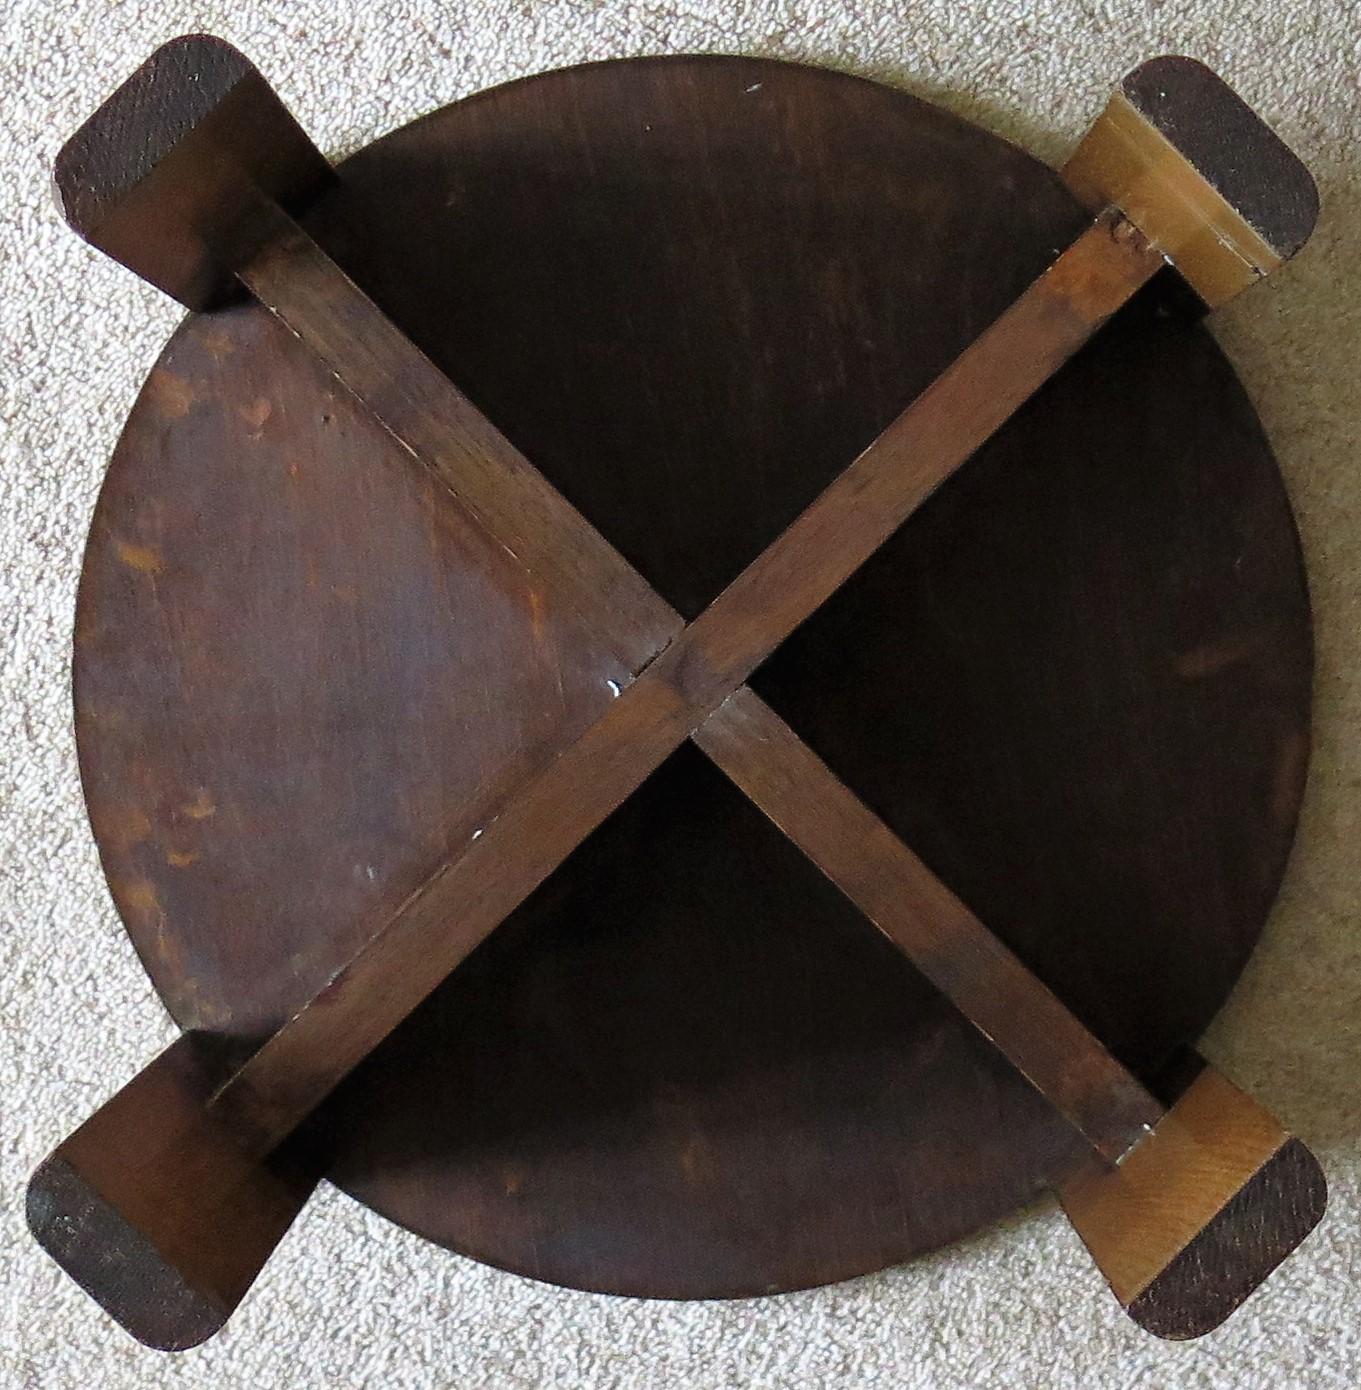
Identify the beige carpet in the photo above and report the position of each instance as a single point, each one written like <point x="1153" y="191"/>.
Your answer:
<point x="351" y="1301"/>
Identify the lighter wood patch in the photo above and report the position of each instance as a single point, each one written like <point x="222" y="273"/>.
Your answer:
<point x="255" y="414"/>
<point x="1210" y="658"/>
<point x="121" y="827"/>
<point x="1125" y="161"/>
<point x="1136" y="1218"/>
<point x="172" y="395"/>
<point x="145" y="559"/>
<point x="201" y="807"/>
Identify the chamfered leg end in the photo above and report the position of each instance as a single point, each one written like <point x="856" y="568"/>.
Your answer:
<point x="116" y="1264"/>
<point x="1199" y="173"/>
<point x="174" y="174"/>
<point x="1271" y="1214"/>
<point x="1198" y="1213"/>
<point x="159" y="1210"/>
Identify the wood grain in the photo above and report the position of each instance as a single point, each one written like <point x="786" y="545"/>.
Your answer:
<point x="1226" y="1261"/>
<point x="533" y="832"/>
<point x="427" y="415"/>
<point x="163" y="176"/>
<point x="1199" y="173"/>
<point x="536" y="320"/>
<point x="1219" y="1173"/>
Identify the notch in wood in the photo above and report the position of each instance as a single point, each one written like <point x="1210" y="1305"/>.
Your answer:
<point x="1191" y="165"/>
<point x="168" y="175"/>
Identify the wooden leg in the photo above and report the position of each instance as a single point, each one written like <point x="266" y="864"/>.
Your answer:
<point x="159" y="1211"/>
<point x="1199" y="1214"/>
<point x="1185" y="1210"/>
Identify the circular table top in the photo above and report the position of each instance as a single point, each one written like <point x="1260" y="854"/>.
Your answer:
<point x="1076" y="682"/>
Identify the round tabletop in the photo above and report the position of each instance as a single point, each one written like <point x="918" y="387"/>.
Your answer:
<point x="1076" y="682"/>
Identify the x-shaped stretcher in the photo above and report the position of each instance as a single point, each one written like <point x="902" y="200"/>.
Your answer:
<point x="191" y="174"/>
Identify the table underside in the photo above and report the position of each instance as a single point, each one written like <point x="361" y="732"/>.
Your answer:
<point x="1076" y="682"/>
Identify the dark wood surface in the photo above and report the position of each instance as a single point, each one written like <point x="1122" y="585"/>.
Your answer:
<point x="704" y="1074"/>
<point x="534" y="829"/>
<point x="156" y="177"/>
<point x="881" y="875"/>
<point x="570" y="563"/>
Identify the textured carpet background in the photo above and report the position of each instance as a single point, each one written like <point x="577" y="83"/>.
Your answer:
<point x="351" y="1301"/>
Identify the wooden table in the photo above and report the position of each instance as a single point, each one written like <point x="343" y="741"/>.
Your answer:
<point x="1077" y="682"/>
